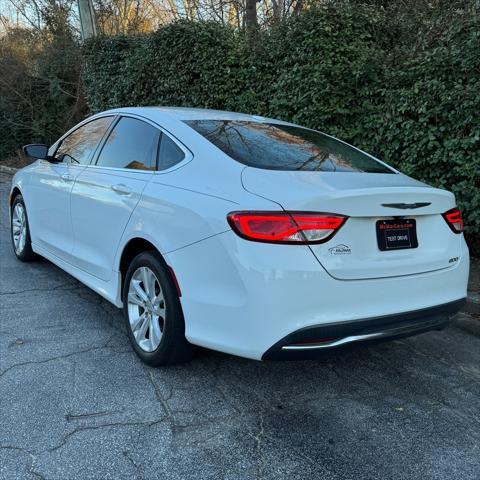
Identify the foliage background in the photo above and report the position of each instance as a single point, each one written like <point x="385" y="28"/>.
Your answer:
<point x="402" y="82"/>
<point x="347" y="70"/>
<point x="40" y="95"/>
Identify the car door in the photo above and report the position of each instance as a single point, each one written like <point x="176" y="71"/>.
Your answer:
<point x="51" y="184"/>
<point x="106" y="193"/>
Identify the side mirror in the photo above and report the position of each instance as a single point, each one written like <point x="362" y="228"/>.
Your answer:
<point x="36" y="151"/>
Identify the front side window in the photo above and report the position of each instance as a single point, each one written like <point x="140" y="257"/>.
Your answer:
<point x="169" y="153"/>
<point x="131" y="144"/>
<point x="78" y="147"/>
<point x="284" y="147"/>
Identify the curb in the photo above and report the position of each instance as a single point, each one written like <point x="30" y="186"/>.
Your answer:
<point x="472" y="305"/>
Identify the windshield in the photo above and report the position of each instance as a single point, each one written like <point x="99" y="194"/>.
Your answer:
<point x="284" y="147"/>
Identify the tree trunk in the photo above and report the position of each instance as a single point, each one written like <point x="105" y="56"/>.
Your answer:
<point x="86" y="12"/>
<point x="251" y="14"/>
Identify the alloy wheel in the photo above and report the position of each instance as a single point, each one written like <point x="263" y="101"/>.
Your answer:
<point x="19" y="228"/>
<point x="146" y="309"/>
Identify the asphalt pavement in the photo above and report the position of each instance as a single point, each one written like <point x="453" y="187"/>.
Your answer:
<point x="76" y="403"/>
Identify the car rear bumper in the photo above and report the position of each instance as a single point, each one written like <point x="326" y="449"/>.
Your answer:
<point x="309" y="342"/>
<point x="244" y="297"/>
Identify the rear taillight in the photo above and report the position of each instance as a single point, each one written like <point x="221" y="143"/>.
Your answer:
<point x="454" y="220"/>
<point x="285" y="227"/>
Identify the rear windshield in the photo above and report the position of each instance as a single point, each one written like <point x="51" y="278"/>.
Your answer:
<point x="284" y="147"/>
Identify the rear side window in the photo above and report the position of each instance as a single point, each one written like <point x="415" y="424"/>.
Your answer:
<point x="169" y="153"/>
<point x="131" y="144"/>
<point x="78" y="147"/>
<point x="284" y="147"/>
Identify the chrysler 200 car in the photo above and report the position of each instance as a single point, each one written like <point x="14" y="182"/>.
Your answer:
<point x="239" y="233"/>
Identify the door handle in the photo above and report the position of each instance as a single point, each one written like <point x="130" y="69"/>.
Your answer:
<point x="67" y="177"/>
<point x="122" y="189"/>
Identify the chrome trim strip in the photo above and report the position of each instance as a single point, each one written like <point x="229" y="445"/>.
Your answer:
<point x="369" y="336"/>
<point x="118" y="169"/>
<point x="335" y="343"/>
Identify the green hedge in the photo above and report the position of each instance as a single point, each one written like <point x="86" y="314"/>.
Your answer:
<point x="413" y="102"/>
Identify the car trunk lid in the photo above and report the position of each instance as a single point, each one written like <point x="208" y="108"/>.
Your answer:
<point x="366" y="198"/>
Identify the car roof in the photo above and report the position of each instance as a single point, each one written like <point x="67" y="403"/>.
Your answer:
<point x="186" y="113"/>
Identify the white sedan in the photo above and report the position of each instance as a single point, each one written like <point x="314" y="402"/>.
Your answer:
<point x="239" y="233"/>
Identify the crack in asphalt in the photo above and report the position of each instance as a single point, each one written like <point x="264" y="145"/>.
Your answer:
<point x="70" y="434"/>
<point x="69" y="417"/>
<point x="163" y="402"/>
<point x="215" y="374"/>
<point x="43" y="289"/>
<point x="32" y="456"/>
<point x="58" y="357"/>
<point x="171" y="418"/>
<point x="65" y="439"/>
<point x="258" y="440"/>
<point x="127" y="455"/>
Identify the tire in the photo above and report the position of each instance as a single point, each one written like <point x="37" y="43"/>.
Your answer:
<point x="159" y="337"/>
<point x="20" y="231"/>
